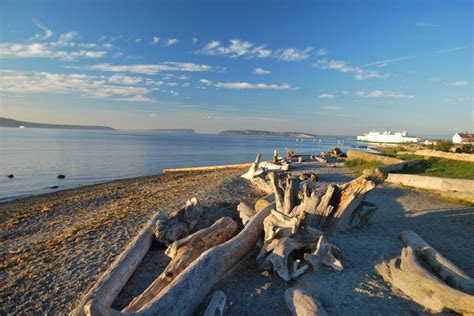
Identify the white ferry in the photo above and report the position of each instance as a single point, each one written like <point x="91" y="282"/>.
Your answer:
<point x="387" y="137"/>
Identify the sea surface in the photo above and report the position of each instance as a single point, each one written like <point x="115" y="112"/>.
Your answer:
<point x="37" y="156"/>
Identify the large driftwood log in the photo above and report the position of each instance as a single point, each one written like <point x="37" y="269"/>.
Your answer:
<point x="180" y="225"/>
<point x="436" y="287"/>
<point x="255" y="169"/>
<point x="183" y="252"/>
<point x="324" y="254"/>
<point x="186" y="292"/>
<point x="259" y="168"/>
<point x="301" y="304"/>
<point x="264" y="202"/>
<point x="245" y="212"/>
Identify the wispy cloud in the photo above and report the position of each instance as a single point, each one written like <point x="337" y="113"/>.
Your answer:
<point x="195" y="40"/>
<point x="47" y="32"/>
<point x="327" y="96"/>
<point x="123" y="79"/>
<point x="171" y="41"/>
<point x="457" y="84"/>
<point x="236" y="48"/>
<point x="294" y="54"/>
<point x="247" y="85"/>
<point x="90" y="86"/>
<point x="383" y="94"/>
<point x="39" y="50"/>
<point x="452" y="49"/>
<point x="261" y="71"/>
<point x="385" y="62"/>
<point x="323" y="52"/>
<point x="205" y="82"/>
<point x="150" y="69"/>
<point x="426" y="24"/>
<point x="342" y="66"/>
<point x="155" y="40"/>
<point x="331" y="108"/>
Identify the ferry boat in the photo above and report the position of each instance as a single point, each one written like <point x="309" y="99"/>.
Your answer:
<point x="387" y="137"/>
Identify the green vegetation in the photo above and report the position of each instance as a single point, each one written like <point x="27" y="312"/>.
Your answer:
<point x="444" y="168"/>
<point x="359" y="165"/>
<point x="443" y="145"/>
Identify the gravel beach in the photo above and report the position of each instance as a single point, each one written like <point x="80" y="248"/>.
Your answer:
<point x="55" y="246"/>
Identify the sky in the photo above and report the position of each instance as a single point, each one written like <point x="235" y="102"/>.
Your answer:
<point x="324" y="67"/>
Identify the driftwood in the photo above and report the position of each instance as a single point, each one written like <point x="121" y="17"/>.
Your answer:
<point x="179" y="225"/>
<point x="217" y="305"/>
<point x="260" y="168"/>
<point x="183" y="252"/>
<point x="428" y="278"/>
<point x="301" y="304"/>
<point x="186" y="292"/>
<point x="207" y="168"/>
<point x="255" y="169"/>
<point x="264" y="202"/>
<point x="300" y="219"/>
<point x="245" y="212"/>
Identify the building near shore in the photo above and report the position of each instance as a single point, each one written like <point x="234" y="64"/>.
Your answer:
<point x="463" y="138"/>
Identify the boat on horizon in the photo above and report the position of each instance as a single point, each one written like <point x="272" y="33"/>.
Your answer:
<point x="387" y="137"/>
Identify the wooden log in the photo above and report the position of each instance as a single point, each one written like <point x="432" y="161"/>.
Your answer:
<point x="183" y="252"/>
<point x="245" y="212"/>
<point x="254" y="169"/>
<point x="109" y="285"/>
<point x="262" y="185"/>
<point x="208" y="168"/>
<point x="217" y="305"/>
<point x="180" y="225"/>
<point x="192" y="285"/>
<point x="277" y="191"/>
<point x="409" y="276"/>
<point x="324" y="254"/>
<point x="301" y="304"/>
<point x="445" y="269"/>
<point x="264" y="202"/>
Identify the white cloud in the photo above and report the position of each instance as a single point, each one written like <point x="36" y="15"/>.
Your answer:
<point x="293" y="54"/>
<point x="383" y="94"/>
<point x="452" y="49"/>
<point x="124" y="79"/>
<point x="205" y="82"/>
<point x="90" y="86"/>
<point x="138" y="98"/>
<point x="236" y="48"/>
<point x="155" y="40"/>
<point x="171" y="41"/>
<point x="246" y="85"/>
<point x="326" y="96"/>
<point x="331" y="108"/>
<point x="426" y="24"/>
<point x="261" y="71"/>
<point x="385" y="62"/>
<point x="174" y="93"/>
<point x="39" y="50"/>
<point x="185" y="85"/>
<point x="138" y="40"/>
<point x="150" y="69"/>
<point x="322" y="51"/>
<point x="195" y="40"/>
<point x="342" y="66"/>
<point x="457" y="84"/>
<point x="47" y="32"/>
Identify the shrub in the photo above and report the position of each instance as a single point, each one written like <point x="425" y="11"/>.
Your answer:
<point x="443" y="145"/>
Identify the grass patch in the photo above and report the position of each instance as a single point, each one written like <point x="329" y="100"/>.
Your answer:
<point x="407" y="156"/>
<point x="359" y="165"/>
<point x="444" y="168"/>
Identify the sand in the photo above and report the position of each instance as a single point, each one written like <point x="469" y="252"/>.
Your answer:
<point x="54" y="246"/>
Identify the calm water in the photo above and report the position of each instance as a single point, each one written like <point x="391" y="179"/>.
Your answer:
<point x="37" y="156"/>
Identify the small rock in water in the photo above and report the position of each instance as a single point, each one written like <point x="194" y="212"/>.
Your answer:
<point x="54" y="187"/>
<point x="11" y="176"/>
<point x="61" y="176"/>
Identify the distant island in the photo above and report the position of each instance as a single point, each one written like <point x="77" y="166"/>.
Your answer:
<point x="267" y="133"/>
<point x="175" y="130"/>
<point x="6" y="122"/>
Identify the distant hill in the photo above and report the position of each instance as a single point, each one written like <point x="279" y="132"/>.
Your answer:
<point x="175" y="130"/>
<point x="267" y="133"/>
<point x="6" y="122"/>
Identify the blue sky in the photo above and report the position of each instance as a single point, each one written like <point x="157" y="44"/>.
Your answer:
<point x="328" y="67"/>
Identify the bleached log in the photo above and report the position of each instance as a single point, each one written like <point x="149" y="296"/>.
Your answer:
<point x="183" y="252"/>
<point x="408" y="275"/>
<point x="245" y="212"/>
<point x="301" y="304"/>
<point x="264" y="202"/>
<point x="262" y="185"/>
<point x="277" y="191"/>
<point x="254" y="170"/>
<point x="280" y="257"/>
<point x="324" y="254"/>
<point x="109" y="285"/>
<point x="179" y="225"/>
<point x="445" y="269"/>
<point x="217" y="305"/>
<point x="208" y="168"/>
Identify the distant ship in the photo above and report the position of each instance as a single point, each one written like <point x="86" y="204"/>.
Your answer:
<point x="21" y="126"/>
<point x="387" y="137"/>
